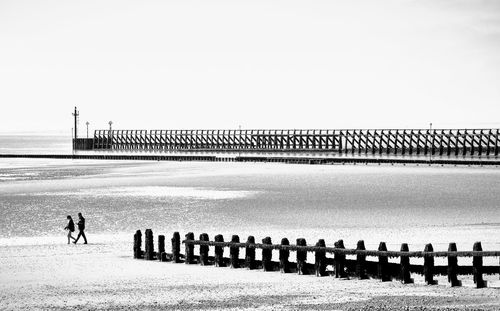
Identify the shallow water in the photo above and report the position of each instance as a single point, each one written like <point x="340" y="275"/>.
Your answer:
<point x="395" y="204"/>
<point x="35" y="144"/>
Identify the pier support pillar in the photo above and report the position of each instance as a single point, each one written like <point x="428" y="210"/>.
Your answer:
<point x="284" y="255"/>
<point x="361" y="261"/>
<point x="320" y="259"/>
<point x="267" y="255"/>
<point x="149" y="245"/>
<point x="137" y="244"/>
<point x="301" y="257"/>
<point x="161" y="255"/>
<point x="383" y="264"/>
<point x="339" y="260"/>
<point x="429" y="266"/>
<point x="204" y="250"/>
<point x="176" y="247"/>
<point x="477" y="267"/>
<point x="404" y="274"/>
<point x="219" y="251"/>
<point x="189" y="249"/>
<point x="453" y="266"/>
<point x="250" y="254"/>
<point x="234" y="253"/>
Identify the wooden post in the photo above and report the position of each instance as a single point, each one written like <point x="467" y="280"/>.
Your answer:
<point x="301" y="257"/>
<point x="477" y="266"/>
<point x="204" y="250"/>
<point x="339" y="260"/>
<point x="429" y="266"/>
<point x="250" y="254"/>
<point x="383" y="264"/>
<point x="176" y="247"/>
<point x="453" y="266"/>
<point x="137" y="244"/>
<point x="404" y="274"/>
<point x="361" y="261"/>
<point x="320" y="259"/>
<point x="284" y="255"/>
<point x="189" y="255"/>
<point x="148" y="245"/>
<point x="162" y="256"/>
<point x="267" y="255"/>
<point x="234" y="252"/>
<point x="219" y="251"/>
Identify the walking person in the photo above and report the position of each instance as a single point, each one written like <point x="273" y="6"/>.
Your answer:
<point x="70" y="227"/>
<point x="81" y="228"/>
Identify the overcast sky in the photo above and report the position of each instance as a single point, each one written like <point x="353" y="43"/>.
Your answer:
<point x="255" y="64"/>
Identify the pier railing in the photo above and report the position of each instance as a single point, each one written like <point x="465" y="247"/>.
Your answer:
<point x="342" y="267"/>
<point x="398" y="142"/>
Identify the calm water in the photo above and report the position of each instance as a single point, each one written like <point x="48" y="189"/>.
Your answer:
<point x="375" y="203"/>
<point x="35" y="144"/>
<point x="395" y="204"/>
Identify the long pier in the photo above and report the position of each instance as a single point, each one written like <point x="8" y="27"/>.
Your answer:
<point x="452" y="143"/>
<point x="393" y="146"/>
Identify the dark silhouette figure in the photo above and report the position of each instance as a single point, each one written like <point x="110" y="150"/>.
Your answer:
<point x="70" y="227"/>
<point x="81" y="228"/>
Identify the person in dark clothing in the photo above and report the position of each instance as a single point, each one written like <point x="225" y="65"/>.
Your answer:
<point x="81" y="228"/>
<point x="70" y="227"/>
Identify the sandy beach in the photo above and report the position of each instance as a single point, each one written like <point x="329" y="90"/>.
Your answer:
<point x="374" y="123"/>
<point x="103" y="276"/>
<point x="39" y="271"/>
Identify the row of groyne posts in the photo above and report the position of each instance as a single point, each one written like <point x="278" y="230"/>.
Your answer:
<point x="343" y="267"/>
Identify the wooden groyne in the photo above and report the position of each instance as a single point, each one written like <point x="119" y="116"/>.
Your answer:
<point x="345" y="263"/>
<point x="264" y="159"/>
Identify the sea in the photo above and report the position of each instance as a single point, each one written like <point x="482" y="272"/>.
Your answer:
<point x="415" y="204"/>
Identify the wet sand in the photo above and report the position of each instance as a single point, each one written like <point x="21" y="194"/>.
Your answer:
<point x="39" y="271"/>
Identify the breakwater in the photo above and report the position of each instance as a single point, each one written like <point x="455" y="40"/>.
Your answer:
<point x="359" y="266"/>
<point x="305" y="159"/>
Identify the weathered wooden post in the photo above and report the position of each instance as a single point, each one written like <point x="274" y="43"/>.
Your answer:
<point x="340" y="260"/>
<point x="250" y="253"/>
<point x="204" y="250"/>
<point x="429" y="265"/>
<point x="453" y="265"/>
<point x="148" y="245"/>
<point x="219" y="251"/>
<point x="361" y="261"/>
<point x="320" y="259"/>
<point x="301" y="257"/>
<point x="477" y="266"/>
<point x="383" y="263"/>
<point x="267" y="255"/>
<point x="234" y="253"/>
<point x="189" y="255"/>
<point x="284" y="255"/>
<point x="137" y="244"/>
<point x="162" y="256"/>
<point x="176" y="247"/>
<point x="404" y="274"/>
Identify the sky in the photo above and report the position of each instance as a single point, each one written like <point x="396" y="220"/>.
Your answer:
<point x="252" y="64"/>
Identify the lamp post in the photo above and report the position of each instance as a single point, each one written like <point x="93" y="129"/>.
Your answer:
<point x="87" y="123"/>
<point x="110" y="136"/>
<point x="432" y="142"/>
<point x="239" y="147"/>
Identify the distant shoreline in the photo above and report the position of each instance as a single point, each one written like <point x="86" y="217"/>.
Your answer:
<point x="261" y="158"/>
